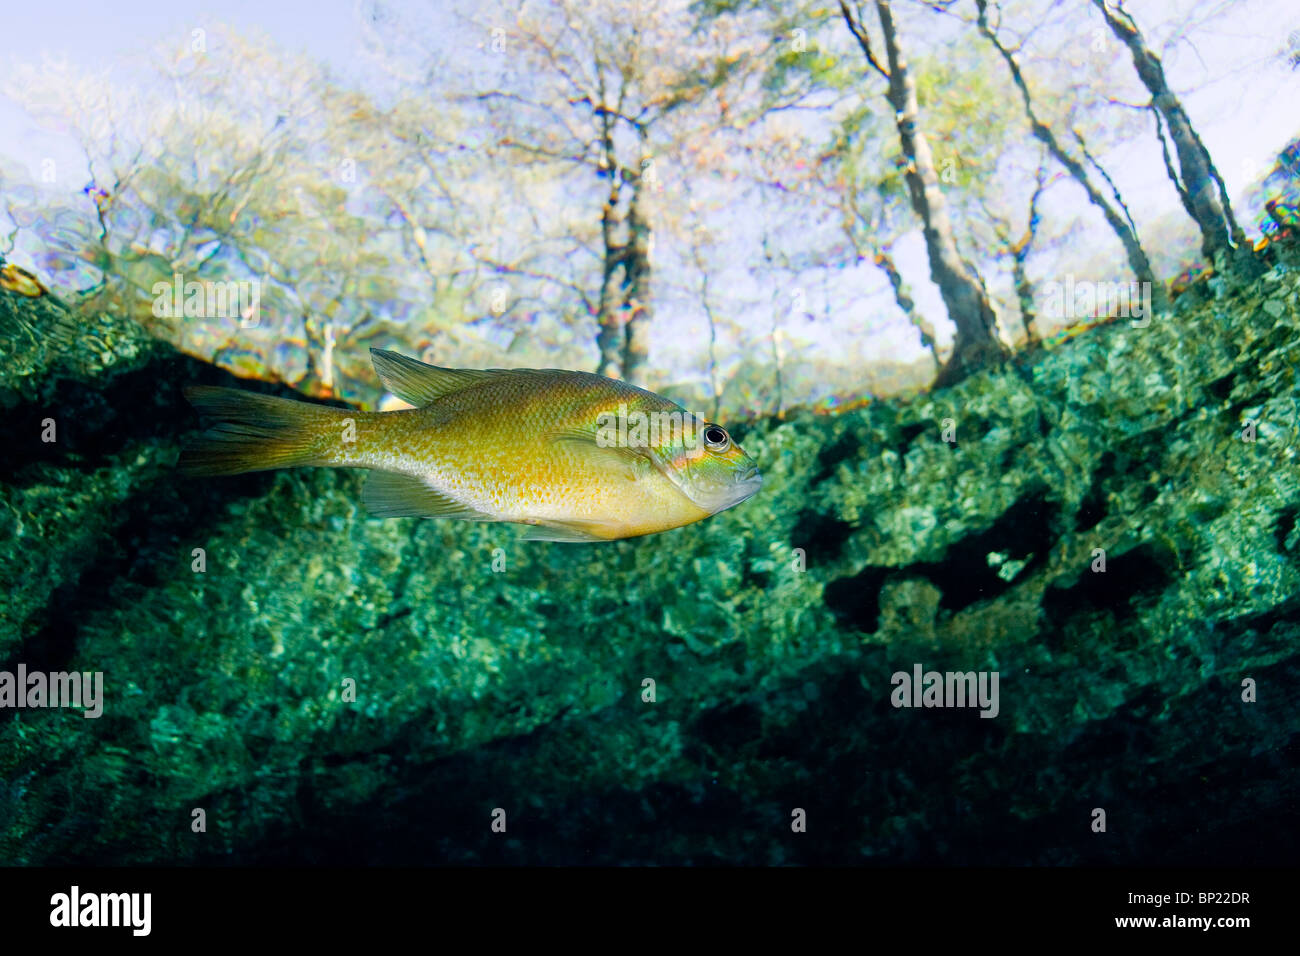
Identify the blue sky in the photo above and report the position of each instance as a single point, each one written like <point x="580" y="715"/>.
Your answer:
<point x="1243" y="108"/>
<point x="122" y="40"/>
<point x="87" y="32"/>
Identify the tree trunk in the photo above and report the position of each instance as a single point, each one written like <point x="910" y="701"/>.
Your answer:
<point x="636" y="265"/>
<point x="1018" y="250"/>
<point x="1024" y="291"/>
<point x="624" y="312"/>
<point x="963" y="293"/>
<point x="609" y="340"/>
<point x="903" y="296"/>
<point x="1203" y="189"/>
<point x="609" y="317"/>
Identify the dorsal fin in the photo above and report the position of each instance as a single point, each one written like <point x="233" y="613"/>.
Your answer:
<point x="415" y="382"/>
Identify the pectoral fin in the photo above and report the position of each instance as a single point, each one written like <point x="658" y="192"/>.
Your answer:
<point x="633" y="462"/>
<point x="568" y="531"/>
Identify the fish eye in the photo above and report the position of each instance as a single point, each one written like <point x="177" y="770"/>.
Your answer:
<point x="715" y="437"/>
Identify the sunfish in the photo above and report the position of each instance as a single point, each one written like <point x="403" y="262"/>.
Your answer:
<point x="575" y="456"/>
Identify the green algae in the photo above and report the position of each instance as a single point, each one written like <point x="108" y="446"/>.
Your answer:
<point x="490" y="672"/>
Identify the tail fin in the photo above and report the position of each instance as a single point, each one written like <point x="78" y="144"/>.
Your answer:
<point x="252" y="432"/>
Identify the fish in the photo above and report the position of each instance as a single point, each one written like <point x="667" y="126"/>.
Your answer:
<point x="572" y="456"/>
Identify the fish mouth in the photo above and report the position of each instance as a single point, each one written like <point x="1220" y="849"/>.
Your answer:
<point x="747" y="485"/>
<point x="735" y="488"/>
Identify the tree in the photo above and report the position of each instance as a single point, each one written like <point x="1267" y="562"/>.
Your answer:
<point x="244" y="164"/>
<point x="1199" y="185"/>
<point x="1115" y="213"/>
<point x="1017" y="248"/>
<point x="963" y="291"/>
<point x="603" y="102"/>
